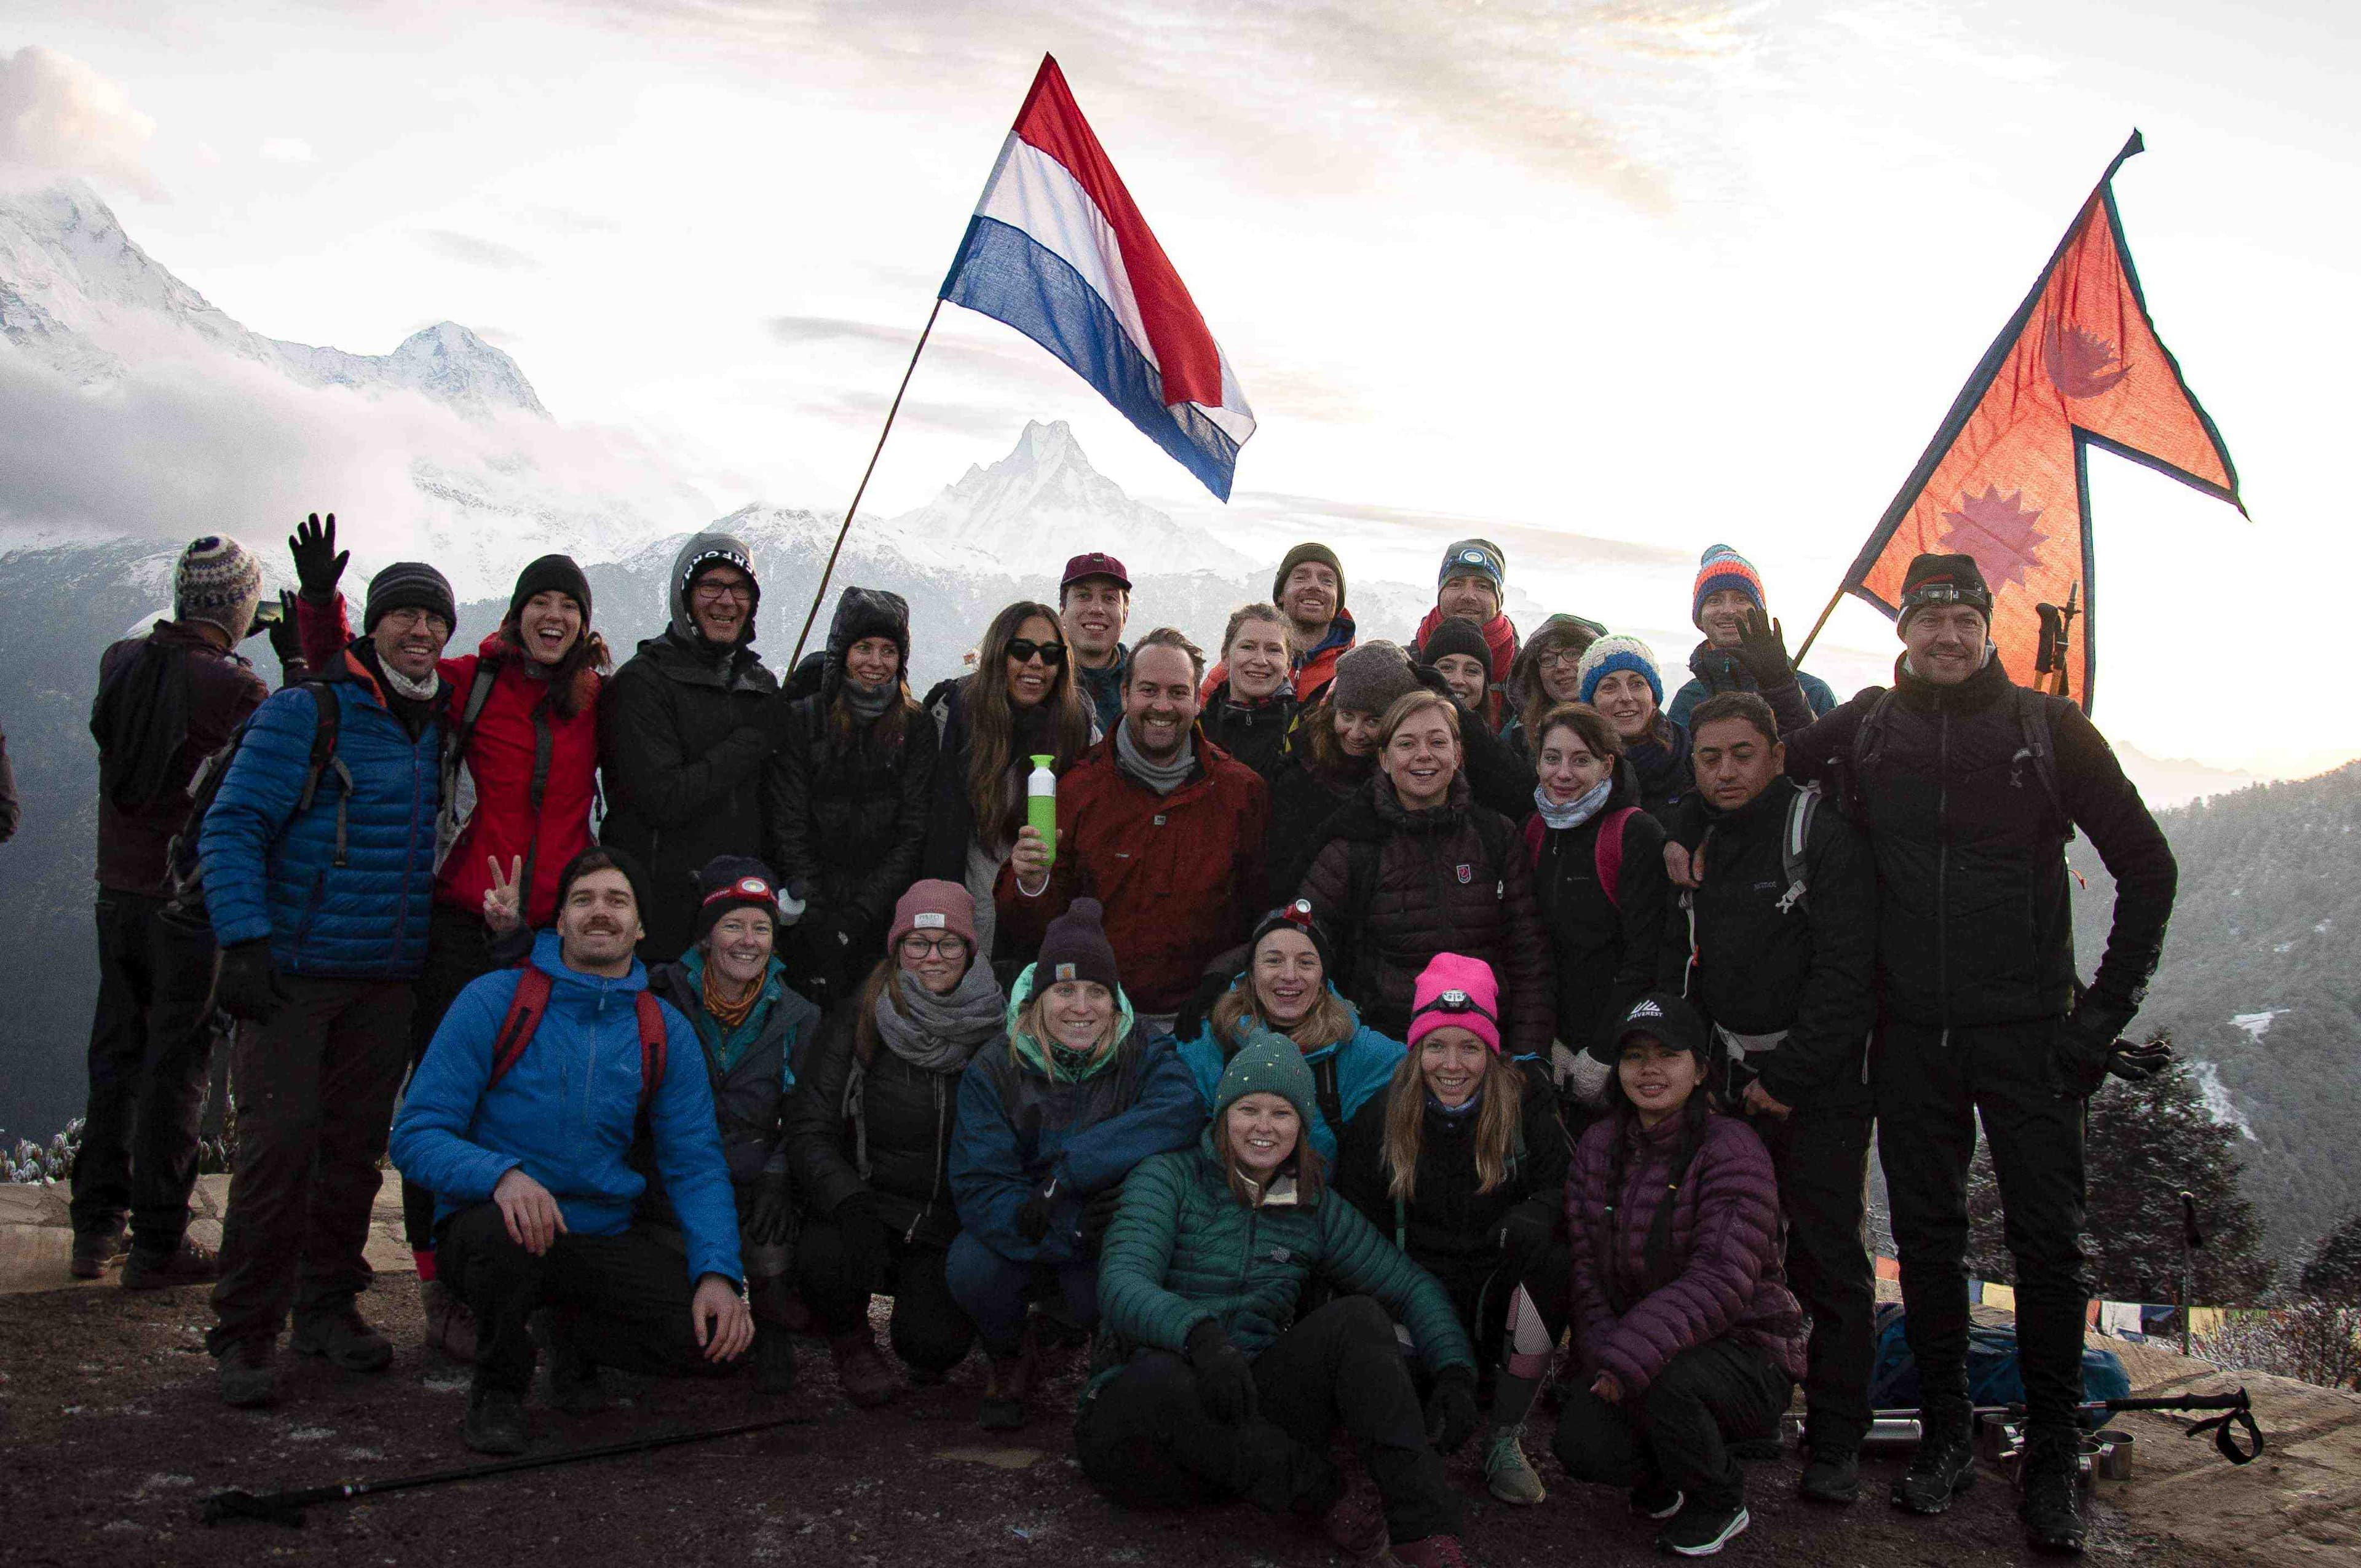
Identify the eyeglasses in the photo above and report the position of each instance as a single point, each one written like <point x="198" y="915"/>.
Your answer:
<point x="1561" y="659"/>
<point x="1050" y="653"/>
<point x="918" y="948"/>
<point x="712" y="593"/>
<point x="410" y="620"/>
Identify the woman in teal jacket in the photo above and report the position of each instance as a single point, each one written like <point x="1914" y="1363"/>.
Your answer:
<point x="1210" y="1385"/>
<point x="1286" y="988"/>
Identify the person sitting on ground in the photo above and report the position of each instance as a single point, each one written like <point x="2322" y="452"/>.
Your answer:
<point x="1472" y="585"/>
<point x="1207" y="1385"/>
<point x="868" y="1135"/>
<point x="1331" y="754"/>
<point x="1457" y="651"/>
<point x="1049" y="1123"/>
<point x="1161" y="827"/>
<point x="1544" y="676"/>
<point x="1248" y="711"/>
<point x="1619" y="678"/>
<point x="733" y="989"/>
<point x="523" y="1131"/>
<point x="1093" y="604"/>
<point x="1463" y="1162"/>
<point x="1285" y="989"/>
<point x="1684" y="1331"/>
<point x="1413" y="867"/>
<point x="1780" y="955"/>
<point x="1727" y="605"/>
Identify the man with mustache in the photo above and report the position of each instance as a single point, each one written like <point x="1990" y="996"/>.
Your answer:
<point x="1969" y="786"/>
<point x="522" y="1123"/>
<point x="1160" y="824"/>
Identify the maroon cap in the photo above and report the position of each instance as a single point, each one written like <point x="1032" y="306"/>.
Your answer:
<point x="1097" y="563"/>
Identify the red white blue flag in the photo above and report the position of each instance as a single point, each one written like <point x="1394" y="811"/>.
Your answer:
<point x="1058" y="250"/>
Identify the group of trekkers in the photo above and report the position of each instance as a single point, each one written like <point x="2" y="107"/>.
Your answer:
<point x="1379" y="1029"/>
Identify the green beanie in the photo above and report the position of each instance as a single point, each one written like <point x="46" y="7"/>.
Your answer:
<point x="1268" y="1063"/>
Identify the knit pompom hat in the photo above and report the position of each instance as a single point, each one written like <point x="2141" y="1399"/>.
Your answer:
<point x="1721" y="567"/>
<point x="1319" y="554"/>
<point x="1268" y="1063"/>
<point x="934" y="905"/>
<point x="1454" y="991"/>
<point x="1369" y="677"/>
<point x="1617" y="652"/>
<point x="218" y="580"/>
<point x="1076" y="947"/>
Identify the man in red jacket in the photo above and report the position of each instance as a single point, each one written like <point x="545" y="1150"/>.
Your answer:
<point x="1162" y="828"/>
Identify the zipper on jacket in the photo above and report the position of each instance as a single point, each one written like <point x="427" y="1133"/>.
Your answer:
<point x="941" y="1158"/>
<point x="1246" y="1259"/>
<point x="1943" y="861"/>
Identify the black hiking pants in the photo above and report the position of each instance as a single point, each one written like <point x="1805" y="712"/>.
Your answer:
<point x="458" y="949"/>
<point x="151" y="1048"/>
<point x="314" y="1088"/>
<point x="1932" y="1087"/>
<point x="623" y="1301"/>
<point x="930" y="1334"/>
<point x="1679" y="1428"/>
<point x="1146" y="1439"/>
<point x="1822" y="1161"/>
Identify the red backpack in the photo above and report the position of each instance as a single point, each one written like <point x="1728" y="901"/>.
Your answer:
<point x="524" y="1016"/>
<point x="1606" y="852"/>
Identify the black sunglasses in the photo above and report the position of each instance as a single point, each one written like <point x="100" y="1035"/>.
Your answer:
<point x="1050" y="653"/>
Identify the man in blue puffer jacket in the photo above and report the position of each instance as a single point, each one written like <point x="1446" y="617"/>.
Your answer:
<point x="532" y="1181"/>
<point x="318" y="887"/>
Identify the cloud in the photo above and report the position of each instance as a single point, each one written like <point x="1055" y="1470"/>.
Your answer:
<point x="473" y="250"/>
<point x="287" y="150"/>
<point x="59" y="116"/>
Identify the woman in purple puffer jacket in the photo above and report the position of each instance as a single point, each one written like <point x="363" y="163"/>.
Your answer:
<point x="1681" y="1323"/>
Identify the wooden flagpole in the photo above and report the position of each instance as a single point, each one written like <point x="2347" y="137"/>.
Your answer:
<point x="829" y="570"/>
<point x="1814" y="633"/>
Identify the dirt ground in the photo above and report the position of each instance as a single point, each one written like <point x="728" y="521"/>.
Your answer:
<point x="110" y="1433"/>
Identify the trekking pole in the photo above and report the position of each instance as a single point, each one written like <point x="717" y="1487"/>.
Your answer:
<point x="287" y="1507"/>
<point x="863" y="489"/>
<point x="2190" y="1240"/>
<point x="2237" y="1414"/>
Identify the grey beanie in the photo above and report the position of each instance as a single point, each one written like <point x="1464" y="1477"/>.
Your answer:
<point x="220" y="581"/>
<point x="1371" y="676"/>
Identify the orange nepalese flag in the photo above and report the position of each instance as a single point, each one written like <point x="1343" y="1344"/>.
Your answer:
<point x="2079" y="365"/>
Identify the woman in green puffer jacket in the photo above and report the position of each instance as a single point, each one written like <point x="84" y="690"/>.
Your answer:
<point x="1210" y="1387"/>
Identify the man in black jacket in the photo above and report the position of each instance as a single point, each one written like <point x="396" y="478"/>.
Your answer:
<point x="685" y="728"/>
<point x="1969" y="786"/>
<point x="1778" y="949"/>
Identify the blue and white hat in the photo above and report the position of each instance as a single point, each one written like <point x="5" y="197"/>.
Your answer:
<point x="1608" y="654"/>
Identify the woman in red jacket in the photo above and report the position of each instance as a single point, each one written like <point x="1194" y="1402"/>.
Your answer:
<point x="1683" y="1324"/>
<point x="524" y="706"/>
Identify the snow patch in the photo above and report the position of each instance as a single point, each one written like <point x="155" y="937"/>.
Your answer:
<point x="2256" y="1025"/>
<point x="2216" y="1095"/>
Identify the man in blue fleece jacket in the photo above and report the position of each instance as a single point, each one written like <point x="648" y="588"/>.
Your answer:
<point x="533" y="1189"/>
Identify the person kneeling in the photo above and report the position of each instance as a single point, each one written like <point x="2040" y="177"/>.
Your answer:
<point x="1213" y="1390"/>
<point x="521" y="1120"/>
<point x="1682" y="1320"/>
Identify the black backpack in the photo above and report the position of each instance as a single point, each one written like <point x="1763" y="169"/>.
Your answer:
<point x="184" y="872"/>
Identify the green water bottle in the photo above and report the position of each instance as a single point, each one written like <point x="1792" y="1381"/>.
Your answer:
<point x="1041" y="808"/>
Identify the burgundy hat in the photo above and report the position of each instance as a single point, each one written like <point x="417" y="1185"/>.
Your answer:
<point x="934" y="905"/>
<point x="1096" y="563"/>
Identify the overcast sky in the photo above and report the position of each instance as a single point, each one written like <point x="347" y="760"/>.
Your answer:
<point x="1663" y="272"/>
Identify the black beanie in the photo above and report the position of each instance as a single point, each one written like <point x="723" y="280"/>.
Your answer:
<point x="1453" y="635"/>
<point x="1075" y="947"/>
<point x="1295" y="916"/>
<point x="550" y="574"/>
<point x="1296" y="557"/>
<point x="868" y="612"/>
<point x="1958" y="573"/>
<point x="733" y="882"/>
<point x="409" y="585"/>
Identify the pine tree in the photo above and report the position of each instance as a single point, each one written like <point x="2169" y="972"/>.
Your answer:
<point x="2333" y="1274"/>
<point x="2145" y="1144"/>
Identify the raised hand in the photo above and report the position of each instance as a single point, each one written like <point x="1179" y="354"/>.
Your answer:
<point x="504" y="900"/>
<point x="1764" y="651"/>
<point x="318" y="561"/>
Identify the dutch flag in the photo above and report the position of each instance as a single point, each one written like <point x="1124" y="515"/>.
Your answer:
<point x="1058" y="250"/>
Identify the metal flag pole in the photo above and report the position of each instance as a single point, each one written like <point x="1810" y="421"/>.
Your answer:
<point x="1798" y="660"/>
<point x="829" y="570"/>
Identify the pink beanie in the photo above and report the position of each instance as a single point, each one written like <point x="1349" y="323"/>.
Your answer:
<point x="1456" y="993"/>
<point x="935" y="906"/>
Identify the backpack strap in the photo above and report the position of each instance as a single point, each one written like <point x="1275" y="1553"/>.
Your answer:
<point x="327" y="719"/>
<point x="1802" y="807"/>
<point x="1851" y="767"/>
<point x="525" y="1010"/>
<point x="653" y="1042"/>
<point x="2041" y="750"/>
<point x="1606" y="852"/>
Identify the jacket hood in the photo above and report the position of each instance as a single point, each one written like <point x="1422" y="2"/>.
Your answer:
<point x="702" y="550"/>
<point x="1028" y="1050"/>
<point x="1524" y="674"/>
<point x="864" y="612"/>
<point x="549" y="957"/>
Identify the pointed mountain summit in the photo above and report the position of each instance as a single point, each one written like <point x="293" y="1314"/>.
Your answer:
<point x="1044" y="502"/>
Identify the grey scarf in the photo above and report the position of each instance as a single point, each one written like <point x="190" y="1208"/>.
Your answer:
<point x="937" y="1038"/>
<point x="868" y="704"/>
<point x="1163" y="778"/>
<point x="1575" y="812"/>
<point x="420" y="690"/>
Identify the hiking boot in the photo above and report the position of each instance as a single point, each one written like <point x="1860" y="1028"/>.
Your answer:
<point x="340" y="1333"/>
<point x="860" y="1372"/>
<point x="1832" y="1474"/>
<point x="2052" y="1504"/>
<point x="1658" y="1500"/>
<point x="248" y="1381"/>
<point x="450" y="1326"/>
<point x="1354" y="1523"/>
<point x="1507" y="1471"/>
<point x="93" y="1250"/>
<point x="187" y="1264"/>
<point x="1434" y="1552"/>
<point x="1701" y="1528"/>
<point x="774" y="1361"/>
<point x="574" y="1384"/>
<point x="1005" y="1394"/>
<point x="495" y="1422"/>
<point x="1944" y="1466"/>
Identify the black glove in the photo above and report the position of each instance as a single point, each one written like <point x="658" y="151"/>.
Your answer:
<point x="1762" y="649"/>
<point x="318" y="561"/>
<point x="247" y="986"/>
<point x="1431" y="679"/>
<point x="2085" y="1050"/>
<point x="1190" y="1021"/>
<point x="1098" y="1214"/>
<point x="1225" y="1377"/>
<point x="864" y="1240"/>
<point x="768" y="1215"/>
<point x="1524" y="1234"/>
<point x="286" y="640"/>
<point x="1451" y="1409"/>
<point x="1033" y="1217"/>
